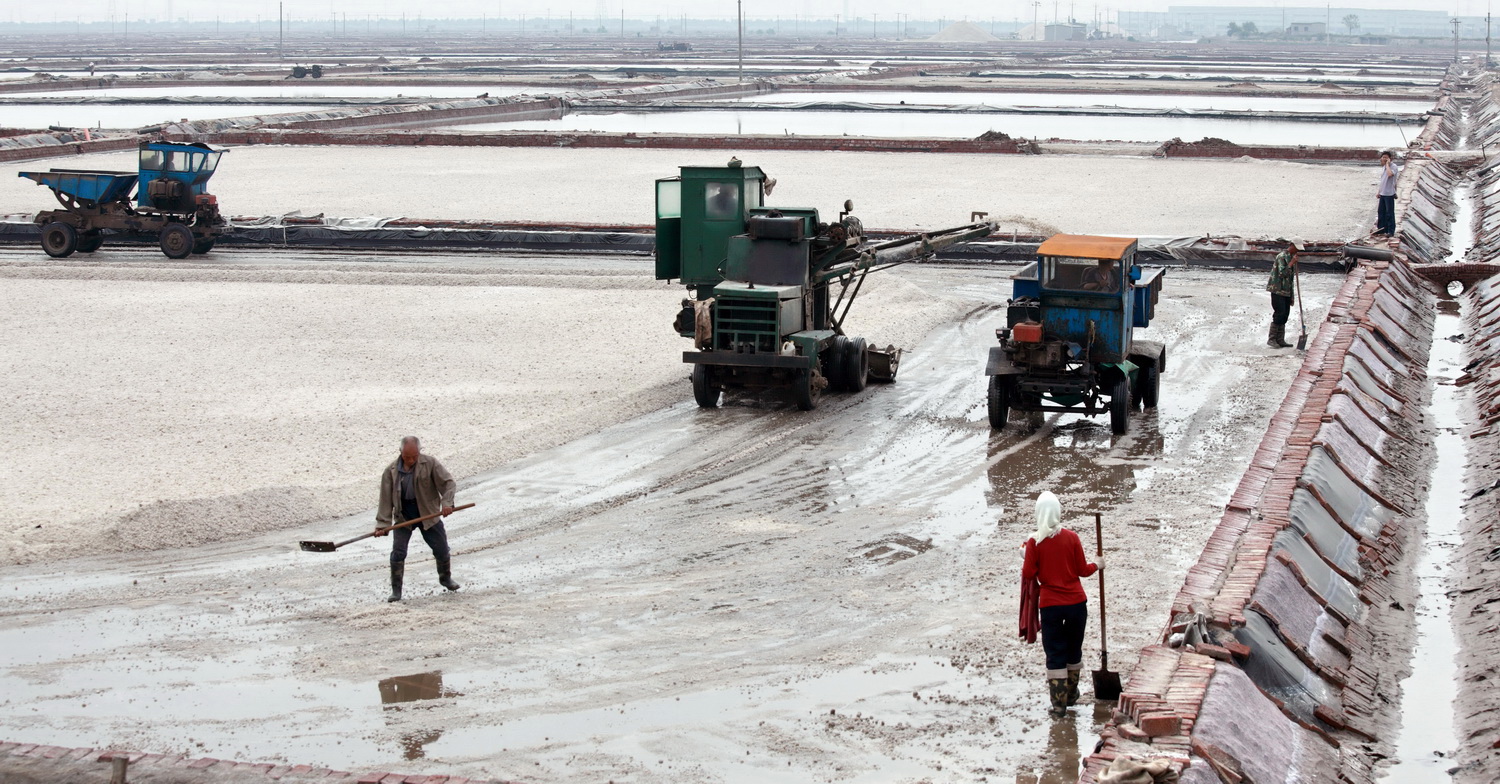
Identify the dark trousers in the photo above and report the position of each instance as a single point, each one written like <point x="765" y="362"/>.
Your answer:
<point x="435" y="537"/>
<point x="1385" y="215"/>
<point x="1281" y="309"/>
<point x="1062" y="634"/>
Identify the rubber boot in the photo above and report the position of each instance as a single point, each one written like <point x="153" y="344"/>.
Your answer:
<point x="1277" y="338"/>
<point x="1057" y="691"/>
<point x="1075" y="674"/>
<point x="397" y="572"/>
<point x="445" y="579"/>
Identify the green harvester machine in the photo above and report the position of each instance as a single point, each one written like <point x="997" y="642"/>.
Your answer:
<point x="770" y="288"/>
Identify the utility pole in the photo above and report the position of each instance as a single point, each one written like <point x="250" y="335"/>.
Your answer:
<point x="1487" y="61"/>
<point x="739" y="9"/>
<point x="1455" y="24"/>
<point x="280" y="31"/>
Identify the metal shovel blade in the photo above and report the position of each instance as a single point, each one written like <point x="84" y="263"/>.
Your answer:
<point x="1106" y="685"/>
<point x="884" y="362"/>
<point x="319" y="547"/>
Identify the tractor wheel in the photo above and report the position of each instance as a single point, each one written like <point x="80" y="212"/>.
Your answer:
<point x="807" y="389"/>
<point x="705" y="391"/>
<point x="833" y="363"/>
<point x="856" y="365"/>
<point x="176" y="240"/>
<point x="1119" y="405"/>
<point x="90" y="241"/>
<point x="1000" y="396"/>
<point x="203" y="245"/>
<point x="1150" y="385"/>
<point x="59" y="239"/>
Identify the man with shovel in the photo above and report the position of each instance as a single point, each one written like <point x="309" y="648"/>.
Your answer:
<point x="415" y="485"/>
<point x="1054" y="563"/>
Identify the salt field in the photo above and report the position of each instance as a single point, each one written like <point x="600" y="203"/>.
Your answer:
<point x="127" y="116"/>
<point x="300" y="89"/>
<point x="967" y="126"/>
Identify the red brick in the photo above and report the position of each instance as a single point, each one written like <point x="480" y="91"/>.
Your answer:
<point x="203" y="762"/>
<point x="1159" y="724"/>
<point x="372" y="778"/>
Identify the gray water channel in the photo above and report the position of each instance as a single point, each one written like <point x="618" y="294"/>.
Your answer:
<point x="303" y="89"/>
<point x="967" y="126"/>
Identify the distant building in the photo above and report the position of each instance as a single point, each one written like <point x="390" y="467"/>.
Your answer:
<point x="1306" y="30"/>
<point x="1066" y="32"/>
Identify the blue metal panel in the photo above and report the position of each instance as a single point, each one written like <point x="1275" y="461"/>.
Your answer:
<point x="97" y="187"/>
<point x="1025" y="284"/>
<point x="1111" y="339"/>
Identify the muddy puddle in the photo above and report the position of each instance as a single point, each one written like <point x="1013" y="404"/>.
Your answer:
<point x="968" y="126"/>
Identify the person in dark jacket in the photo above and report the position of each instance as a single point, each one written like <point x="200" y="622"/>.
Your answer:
<point x="1282" y="286"/>
<point x="1054" y="563"/>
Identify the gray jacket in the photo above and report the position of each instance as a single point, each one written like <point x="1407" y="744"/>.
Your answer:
<point x="433" y="484"/>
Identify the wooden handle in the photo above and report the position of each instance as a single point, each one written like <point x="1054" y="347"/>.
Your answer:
<point x="401" y="524"/>
<point x="1103" y="622"/>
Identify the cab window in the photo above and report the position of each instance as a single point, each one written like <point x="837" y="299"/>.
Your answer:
<point x="722" y="201"/>
<point x="152" y="160"/>
<point x="1092" y="276"/>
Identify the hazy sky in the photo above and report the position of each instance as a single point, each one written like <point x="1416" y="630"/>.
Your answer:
<point x="31" y="11"/>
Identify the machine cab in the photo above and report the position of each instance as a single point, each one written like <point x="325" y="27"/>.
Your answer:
<point x="696" y="214"/>
<point x="1085" y="287"/>
<point x="173" y="176"/>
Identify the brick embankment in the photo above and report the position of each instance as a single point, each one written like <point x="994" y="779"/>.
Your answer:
<point x="24" y="763"/>
<point x="57" y="143"/>
<point x="1476" y="567"/>
<point x="1281" y="661"/>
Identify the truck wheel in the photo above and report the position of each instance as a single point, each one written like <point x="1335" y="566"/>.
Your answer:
<point x="203" y="245"/>
<point x="856" y="365"/>
<point x="833" y="366"/>
<point x="806" y="389"/>
<point x="1000" y="389"/>
<point x="705" y="391"/>
<point x="59" y="239"/>
<point x="176" y="240"/>
<point x="1150" y="384"/>
<point x="1119" y="405"/>
<point x="90" y="241"/>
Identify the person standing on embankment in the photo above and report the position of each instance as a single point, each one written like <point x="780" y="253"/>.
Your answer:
<point x="415" y="485"/>
<point x="1385" y="208"/>
<point x="1052" y="600"/>
<point x="1281" y="285"/>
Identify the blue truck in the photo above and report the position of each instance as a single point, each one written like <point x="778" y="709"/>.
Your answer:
<point x="1069" y="340"/>
<point x="171" y="202"/>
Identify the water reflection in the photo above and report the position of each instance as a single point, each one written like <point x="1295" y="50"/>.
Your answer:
<point x="412" y="688"/>
<point x="1070" y="455"/>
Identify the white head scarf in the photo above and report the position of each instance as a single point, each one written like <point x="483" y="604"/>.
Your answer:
<point x="1048" y="516"/>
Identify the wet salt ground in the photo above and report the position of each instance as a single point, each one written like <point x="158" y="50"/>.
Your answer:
<point x="1374" y="135"/>
<point x="684" y="597"/>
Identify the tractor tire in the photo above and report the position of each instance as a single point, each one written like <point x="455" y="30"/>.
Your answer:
<point x="59" y="239"/>
<point x="806" y="390"/>
<point x="203" y="245"/>
<point x="705" y="391"/>
<point x="833" y="366"/>
<point x="1150" y="385"/>
<point x="1000" y="396"/>
<point x="90" y="241"/>
<point x="176" y="241"/>
<point x="856" y="365"/>
<point x="1119" y="405"/>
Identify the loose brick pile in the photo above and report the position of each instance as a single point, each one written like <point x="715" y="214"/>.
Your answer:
<point x="22" y="763"/>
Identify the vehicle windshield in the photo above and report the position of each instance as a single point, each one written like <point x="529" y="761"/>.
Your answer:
<point x="1067" y="273"/>
<point x="152" y="160"/>
<point x="211" y="161"/>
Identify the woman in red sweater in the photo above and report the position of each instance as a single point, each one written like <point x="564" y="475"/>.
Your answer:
<point x="1050" y="581"/>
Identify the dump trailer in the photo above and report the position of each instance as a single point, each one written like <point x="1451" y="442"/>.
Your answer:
<point x="770" y="288"/>
<point x="171" y="203"/>
<point x="1069" y="340"/>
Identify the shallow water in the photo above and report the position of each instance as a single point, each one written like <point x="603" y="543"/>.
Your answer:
<point x="1239" y="103"/>
<point x="301" y="89"/>
<point x="968" y="126"/>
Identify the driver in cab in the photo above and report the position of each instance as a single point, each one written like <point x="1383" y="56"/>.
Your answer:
<point x="1102" y="277"/>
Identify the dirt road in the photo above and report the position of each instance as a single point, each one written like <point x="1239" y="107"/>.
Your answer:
<point x="743" y="594"/>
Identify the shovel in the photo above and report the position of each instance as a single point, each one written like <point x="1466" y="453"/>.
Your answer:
<point x="1301" y="314"/>
<point x="1106" y="683"/>
<point x="328" y="547"/>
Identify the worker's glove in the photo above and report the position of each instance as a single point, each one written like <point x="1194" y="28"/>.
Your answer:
<point x="1099" y="561"/>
